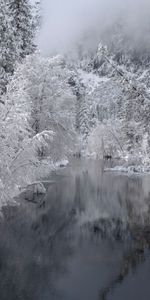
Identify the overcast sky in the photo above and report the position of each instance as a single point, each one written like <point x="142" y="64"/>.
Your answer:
<point x="65" y="20"/>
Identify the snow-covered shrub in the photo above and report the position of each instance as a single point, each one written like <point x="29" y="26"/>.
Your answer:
<point x="105" y="140"/>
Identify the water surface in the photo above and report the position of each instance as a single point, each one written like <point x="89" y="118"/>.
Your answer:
<point x="87" y="239"/>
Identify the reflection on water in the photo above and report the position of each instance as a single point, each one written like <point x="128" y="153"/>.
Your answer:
<point x="88" y="239"/>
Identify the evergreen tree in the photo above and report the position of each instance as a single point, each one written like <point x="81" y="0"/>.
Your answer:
<point x="8" y="49"/>
<point x="37" y="15"/>
<point x="22" y="23"/>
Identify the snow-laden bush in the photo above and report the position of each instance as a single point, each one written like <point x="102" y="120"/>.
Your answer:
<point x="118" y="139"/>
<point x="26" y="168"/>
<point x="105" y="140"/>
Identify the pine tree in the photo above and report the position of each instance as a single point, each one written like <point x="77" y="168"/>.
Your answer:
<point x="8" y="50"/>
<point x="22" y="23"/>
<point x="37" y="15"/>
<point x="16" y="36"/>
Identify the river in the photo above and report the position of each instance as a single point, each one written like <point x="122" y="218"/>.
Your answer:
<point x="87" y="239"/>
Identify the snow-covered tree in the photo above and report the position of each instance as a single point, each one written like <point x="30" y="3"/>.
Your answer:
<point x="37" y="15"/>
<point x="22" y="24"/>
<point x="16" y="35"/>
<point x="37" y="122"/>
<point x="8" y="49"/>
<point x="53" y="102"/>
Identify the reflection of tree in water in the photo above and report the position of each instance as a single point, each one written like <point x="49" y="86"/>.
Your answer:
<point x="130" y="261"/>
<point x="132" y="227"/>
<point x="34" y="250"/>
<point x="135" y="241"/>
<point x="136" y="235"/>
<point x="37" y="243"/>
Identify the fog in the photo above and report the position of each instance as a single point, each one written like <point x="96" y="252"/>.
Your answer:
<point x="65" y="21"/>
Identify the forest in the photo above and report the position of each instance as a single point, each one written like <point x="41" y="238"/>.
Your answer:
<point x="74" y="149"/>
<point x="89" y="101"/>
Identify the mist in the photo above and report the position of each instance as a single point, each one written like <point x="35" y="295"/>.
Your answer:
<point x="66" y="21"/>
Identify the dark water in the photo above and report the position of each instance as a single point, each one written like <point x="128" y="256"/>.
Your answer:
<point x="88" y="239"/>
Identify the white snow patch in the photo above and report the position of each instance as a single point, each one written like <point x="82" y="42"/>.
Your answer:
<point x="62" y="163"/>
<point x="130" y="170"/>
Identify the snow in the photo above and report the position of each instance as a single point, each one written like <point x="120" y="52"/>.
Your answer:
<point x="90" y="80"/>
<point x="97" y="106"/>
<point x="62" y="163"/>
<point x="130" y="170"/>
